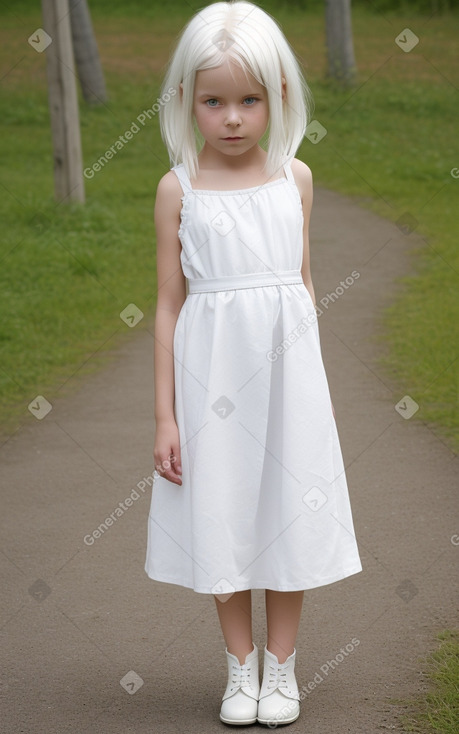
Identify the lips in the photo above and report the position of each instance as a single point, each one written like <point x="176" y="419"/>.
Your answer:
<point x="235" y="138"/>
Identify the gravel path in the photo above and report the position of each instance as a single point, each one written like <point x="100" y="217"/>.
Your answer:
<point x="80" y="616"/>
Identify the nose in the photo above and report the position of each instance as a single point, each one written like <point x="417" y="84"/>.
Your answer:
<point x="233" y="116"/>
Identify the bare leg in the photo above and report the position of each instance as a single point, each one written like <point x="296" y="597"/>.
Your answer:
<point x="235" y="616"/>
<point x="283" y="612"/>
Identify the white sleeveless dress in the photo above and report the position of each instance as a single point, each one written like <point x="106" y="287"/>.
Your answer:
<point x="264" y="501"/>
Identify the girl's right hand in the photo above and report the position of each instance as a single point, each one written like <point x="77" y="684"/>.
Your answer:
<point x="166" y="451"/>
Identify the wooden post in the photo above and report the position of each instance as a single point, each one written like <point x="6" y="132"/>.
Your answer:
<point x="86" y="53"/>
<point x="63" y="103"/>
<point x="340" y="47"/>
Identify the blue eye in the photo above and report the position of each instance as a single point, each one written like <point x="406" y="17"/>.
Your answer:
<point x="212" y="99"/>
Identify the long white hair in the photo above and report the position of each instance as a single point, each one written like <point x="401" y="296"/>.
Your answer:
<point x="247" y="34"/>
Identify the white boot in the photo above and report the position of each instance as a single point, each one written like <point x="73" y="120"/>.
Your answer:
<point x="279" y="696"/>
<point x="240" y="700"/>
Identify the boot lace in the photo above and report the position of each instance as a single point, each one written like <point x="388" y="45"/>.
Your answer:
<point x="277" y="677"/>
<point x="240" y="676"/>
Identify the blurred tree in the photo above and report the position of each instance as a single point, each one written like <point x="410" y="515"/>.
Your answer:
<point x="86" y="53"/>
<point x="63" y="102"/>
<point x="340" y="47"/>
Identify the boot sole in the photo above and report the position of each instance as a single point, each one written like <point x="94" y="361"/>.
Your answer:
<point x="239" y="722"/>
<point x="278" y="722"/>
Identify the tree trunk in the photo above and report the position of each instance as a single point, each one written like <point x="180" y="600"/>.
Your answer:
<point x="63" y="103"/>
<point x="86" y="53"/>
<point x="340" y="47"/>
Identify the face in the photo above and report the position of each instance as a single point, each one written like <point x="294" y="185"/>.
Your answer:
<point x="231" y="110"/>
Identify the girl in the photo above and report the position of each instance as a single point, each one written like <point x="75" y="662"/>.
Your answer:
<point x="250" y="489"/>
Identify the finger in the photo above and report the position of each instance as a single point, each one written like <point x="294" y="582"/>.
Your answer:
<point x="167" y="470"/>
<point x="177" y="459"/>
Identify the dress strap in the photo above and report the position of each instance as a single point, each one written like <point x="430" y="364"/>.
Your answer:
<point x="182" y="176"/>
<point x="288" y="171"/>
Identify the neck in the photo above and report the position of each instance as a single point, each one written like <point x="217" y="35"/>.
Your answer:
<point x="210" y="159"/>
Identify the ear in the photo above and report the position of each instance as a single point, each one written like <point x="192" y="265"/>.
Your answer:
<point x="284" y="89"/>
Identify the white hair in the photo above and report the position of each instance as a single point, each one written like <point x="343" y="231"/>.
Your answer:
<point x="247" y="34"/>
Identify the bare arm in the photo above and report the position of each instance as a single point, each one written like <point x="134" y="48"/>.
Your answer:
<point x="303" y="177"/>
<point x="171" y="296"/>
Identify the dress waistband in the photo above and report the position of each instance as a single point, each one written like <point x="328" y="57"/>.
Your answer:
<point x="247" y="280"/>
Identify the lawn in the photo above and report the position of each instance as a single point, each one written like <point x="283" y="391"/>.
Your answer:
<point x="438" y="710"/>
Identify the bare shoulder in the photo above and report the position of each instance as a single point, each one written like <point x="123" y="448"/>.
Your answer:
<point x="303" y="178"/>
<point x="301" y="166"/>
<point x="169" y="187"/>
<point x="301" y="172"/>
<point x="168" y="205"/>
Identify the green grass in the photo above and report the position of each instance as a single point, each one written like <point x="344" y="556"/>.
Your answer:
<point x="438" y="710"/>
<point x="402" y="172"/>
<point x="66" y="272"/>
